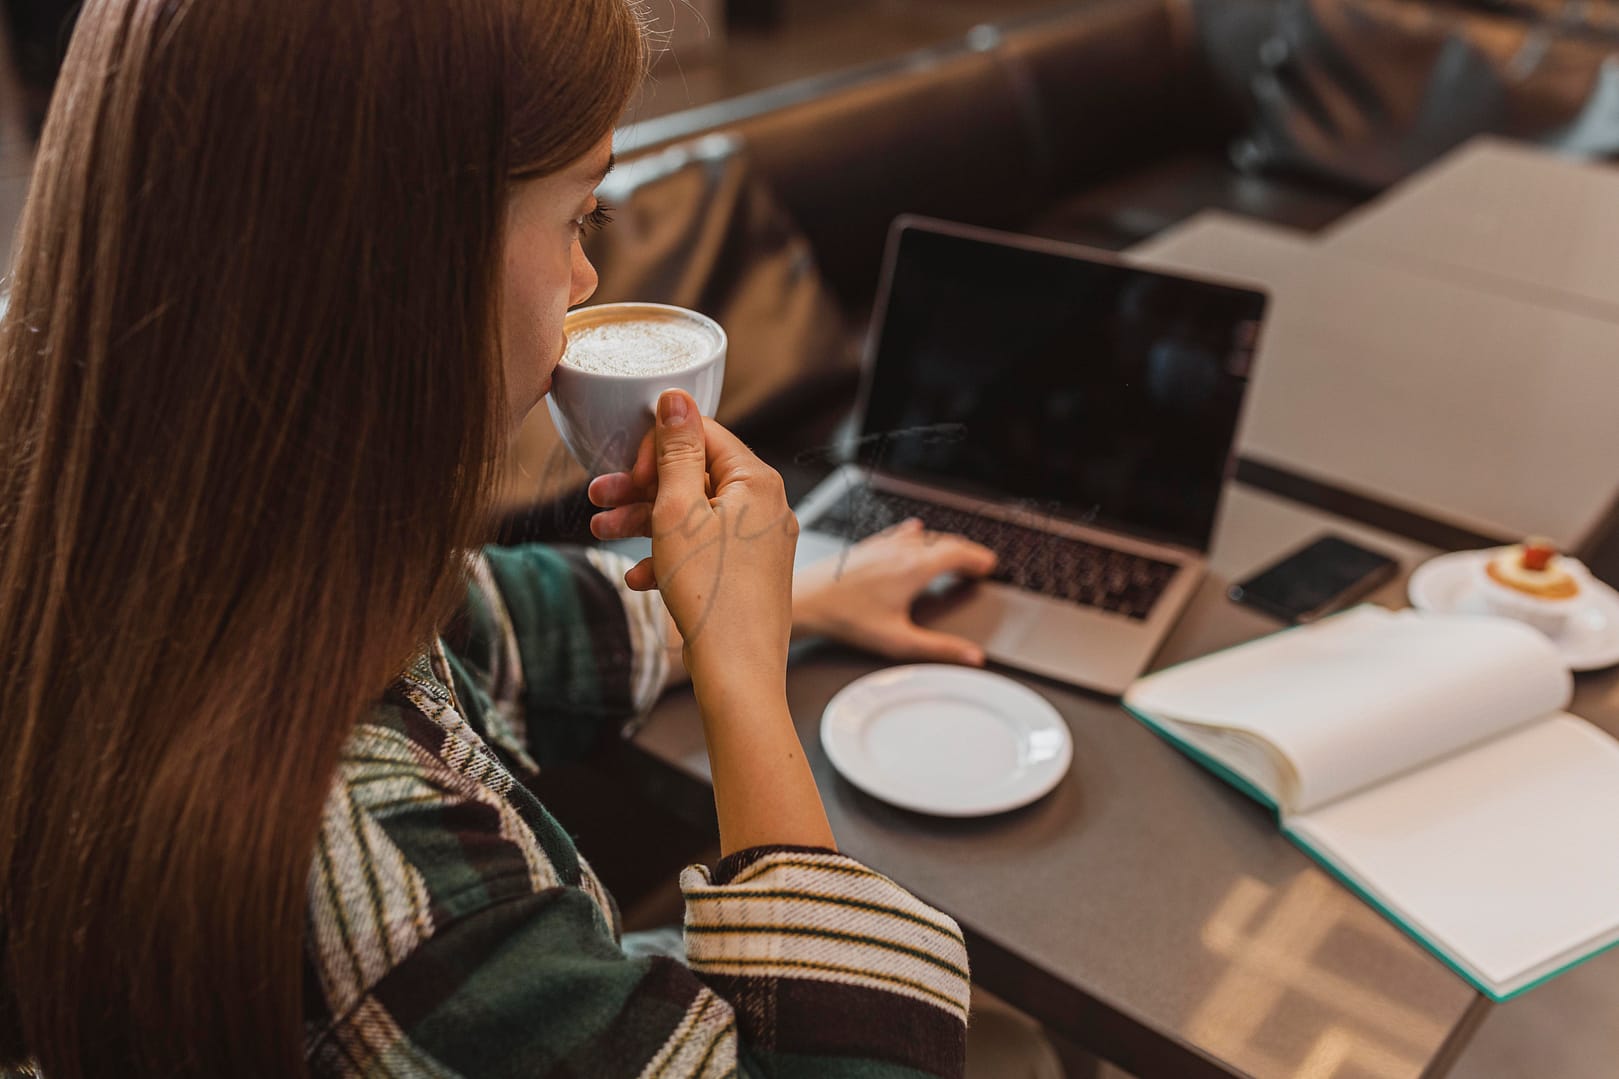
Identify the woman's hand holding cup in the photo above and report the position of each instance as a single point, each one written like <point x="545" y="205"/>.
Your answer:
<point x="722" y="555"/>
<point x="723" y="539"/>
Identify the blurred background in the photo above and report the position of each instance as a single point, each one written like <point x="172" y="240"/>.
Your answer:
<point x="1102" y="121"/>
<point x="710" y="50"/>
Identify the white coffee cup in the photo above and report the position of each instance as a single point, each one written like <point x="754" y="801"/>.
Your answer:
<point x="604" y="411"/>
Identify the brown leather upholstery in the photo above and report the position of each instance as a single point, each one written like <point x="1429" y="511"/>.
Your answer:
<point x="1113" y="84"/>
<point x="990" y="130"/>
<point x="1123" y="211"/>
<point x="943" y="135"/>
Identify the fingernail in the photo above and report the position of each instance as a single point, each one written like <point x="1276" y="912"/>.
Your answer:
<point x="672" y="411"/>
<point x="974" y="658"/>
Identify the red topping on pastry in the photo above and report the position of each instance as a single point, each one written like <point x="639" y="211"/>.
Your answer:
<point x="1537" y="556"/>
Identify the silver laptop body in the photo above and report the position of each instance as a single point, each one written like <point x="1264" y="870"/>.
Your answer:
<point x="1043" y="615"/>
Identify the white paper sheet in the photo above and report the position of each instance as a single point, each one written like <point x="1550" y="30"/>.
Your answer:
<point x="1506" y="857"/>
<point x="1368" y="694"/>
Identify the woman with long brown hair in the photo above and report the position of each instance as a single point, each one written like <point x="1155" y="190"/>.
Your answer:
<point x="288" y="276"/>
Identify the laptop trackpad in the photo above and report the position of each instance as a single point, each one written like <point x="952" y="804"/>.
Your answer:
<point x="996" y="618"/>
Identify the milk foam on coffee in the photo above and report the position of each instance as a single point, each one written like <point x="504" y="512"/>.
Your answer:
<point x="642" y="344"/>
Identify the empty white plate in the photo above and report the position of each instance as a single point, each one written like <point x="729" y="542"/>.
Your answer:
<point x="1590" y="640"/>
<point x="951" y="741"/>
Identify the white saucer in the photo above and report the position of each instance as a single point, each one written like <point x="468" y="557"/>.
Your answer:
<point x="1590" y="640"/>
<point x="951" y="741"/>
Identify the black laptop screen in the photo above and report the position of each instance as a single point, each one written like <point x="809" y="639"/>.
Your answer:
<point x="1094" y="390"/>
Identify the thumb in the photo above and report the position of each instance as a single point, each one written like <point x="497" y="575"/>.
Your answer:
<point x="910" y="641"/>
<point x="680" y="454"/>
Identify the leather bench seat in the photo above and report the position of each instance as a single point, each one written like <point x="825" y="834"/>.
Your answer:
<point x="1124" y="211"/>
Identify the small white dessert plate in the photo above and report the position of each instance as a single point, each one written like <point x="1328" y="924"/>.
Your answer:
<point x="950" y="741"/>
<point x="1589" y="640"/>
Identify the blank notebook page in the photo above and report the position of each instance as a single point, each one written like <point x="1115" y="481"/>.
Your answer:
<point x="1507" y="855"/>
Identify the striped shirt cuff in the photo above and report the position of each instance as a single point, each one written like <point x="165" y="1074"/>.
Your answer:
<point x="806" y="915"/>
<point x="647" y="617"/>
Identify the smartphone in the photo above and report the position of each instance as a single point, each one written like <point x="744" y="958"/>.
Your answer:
<point x="1323" y="576"/>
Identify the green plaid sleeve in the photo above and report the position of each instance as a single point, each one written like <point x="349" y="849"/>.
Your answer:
<point x="559" y="649"/>
<point x="453" y="930"/>
<point x="532" y="987"/>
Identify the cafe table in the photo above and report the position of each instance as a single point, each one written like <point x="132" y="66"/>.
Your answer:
<point x="1144" y="908"/>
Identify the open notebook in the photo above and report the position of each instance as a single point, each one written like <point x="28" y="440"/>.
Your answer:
<point x="1427" y="762"/>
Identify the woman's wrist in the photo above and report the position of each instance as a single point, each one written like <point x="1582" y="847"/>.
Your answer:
<point x="737" y="683"/>
<point x="764" y="789"/>
<point x="809" y="617"/>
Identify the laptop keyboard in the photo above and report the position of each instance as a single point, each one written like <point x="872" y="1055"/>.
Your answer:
<point x="1052" y="565"/>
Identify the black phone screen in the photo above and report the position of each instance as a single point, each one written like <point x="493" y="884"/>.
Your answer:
<point x="1324" y="574"/>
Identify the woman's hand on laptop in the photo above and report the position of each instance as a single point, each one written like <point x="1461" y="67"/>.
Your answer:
<point x="863" y="595"/>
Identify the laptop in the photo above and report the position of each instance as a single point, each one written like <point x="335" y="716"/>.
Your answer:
<point x="1074" y="413"/>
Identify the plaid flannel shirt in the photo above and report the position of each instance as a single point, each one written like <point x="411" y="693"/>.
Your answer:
<point x="454" y="930"/>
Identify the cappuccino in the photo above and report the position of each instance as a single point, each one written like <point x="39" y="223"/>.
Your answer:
<point x="639" y="342"/>
<point x="619" y="357"/>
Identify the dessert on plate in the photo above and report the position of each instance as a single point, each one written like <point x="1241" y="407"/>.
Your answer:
<point x="1532" y="582"/>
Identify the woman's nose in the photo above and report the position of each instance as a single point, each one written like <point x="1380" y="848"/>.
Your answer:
<point x="584" y="278"/>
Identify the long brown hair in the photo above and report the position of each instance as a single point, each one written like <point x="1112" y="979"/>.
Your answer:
<point x="250" y="419"/>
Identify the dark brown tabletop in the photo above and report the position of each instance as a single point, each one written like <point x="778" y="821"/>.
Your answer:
<point x="1145" y="908"/>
